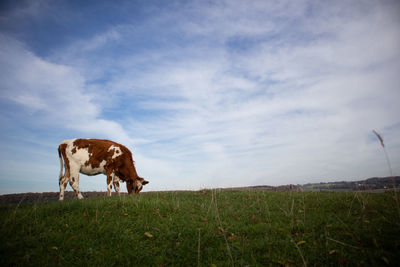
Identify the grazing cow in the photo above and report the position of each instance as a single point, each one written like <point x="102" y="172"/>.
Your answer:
<point x="94" y="156"/>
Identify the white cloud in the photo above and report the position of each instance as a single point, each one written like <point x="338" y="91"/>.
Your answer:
<point x="292" y="112"/>
<point x="54" y="94"/>
<point x="83" y="47"/>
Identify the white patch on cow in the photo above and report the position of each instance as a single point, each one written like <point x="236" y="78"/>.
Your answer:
<point x="117" y="151"/>
<point x="139" y="185"/>
<point x="79" y="156"/>
<point x="89" y="170"/>
<point x="116" y="178"/>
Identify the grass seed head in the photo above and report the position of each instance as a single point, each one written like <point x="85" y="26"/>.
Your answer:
<point x="379" y="137"/>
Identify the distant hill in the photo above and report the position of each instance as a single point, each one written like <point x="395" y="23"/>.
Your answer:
<point x="375" y="183"/>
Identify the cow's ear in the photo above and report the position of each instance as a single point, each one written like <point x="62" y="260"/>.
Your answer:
<point x="145" y="182"/>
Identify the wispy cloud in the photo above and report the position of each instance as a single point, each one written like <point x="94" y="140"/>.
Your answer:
<point x="57" y="92"/>
<point x="301" y="105"/>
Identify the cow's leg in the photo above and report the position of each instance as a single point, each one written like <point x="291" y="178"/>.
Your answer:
<point x="116" y="187"/>
<point x="63" y="184"/>
<point x="109" y="184"/>
<point x="74" y="182"/>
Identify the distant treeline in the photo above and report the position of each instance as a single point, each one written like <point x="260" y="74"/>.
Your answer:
<point x="374" y="183"/>
<point x="368" y="184"/>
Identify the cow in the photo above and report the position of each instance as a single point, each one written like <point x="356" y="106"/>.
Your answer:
<point x="95" y="156"/>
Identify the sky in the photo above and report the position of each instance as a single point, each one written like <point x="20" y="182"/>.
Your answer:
<point x="206" y="94"/>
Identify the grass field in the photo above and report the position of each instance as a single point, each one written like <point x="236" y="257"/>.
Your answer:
<point x="205" y="228"/>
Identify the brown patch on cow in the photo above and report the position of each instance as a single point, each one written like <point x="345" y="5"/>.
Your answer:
<point x="73" y="179"/>
<point x="73" y="151"/>
<point x="130" y="186"/>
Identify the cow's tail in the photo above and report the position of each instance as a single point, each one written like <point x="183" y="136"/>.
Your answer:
<point x="61" y="161"/>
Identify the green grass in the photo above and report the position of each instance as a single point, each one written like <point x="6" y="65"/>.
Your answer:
<point x="204" y="228"/>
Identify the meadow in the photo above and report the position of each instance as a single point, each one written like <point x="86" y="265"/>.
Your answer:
<point x="205" y="228"/>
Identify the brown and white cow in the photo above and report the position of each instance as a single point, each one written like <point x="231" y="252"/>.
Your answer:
<point x="94" y="156"/>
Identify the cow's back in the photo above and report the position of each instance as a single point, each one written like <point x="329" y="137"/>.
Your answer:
<point x="94" y="156"/>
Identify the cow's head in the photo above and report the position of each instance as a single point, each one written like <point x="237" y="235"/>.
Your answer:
<point x="135" y="186"/>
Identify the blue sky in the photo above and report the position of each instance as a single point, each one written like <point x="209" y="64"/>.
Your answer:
<point x="205" y="93"/>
